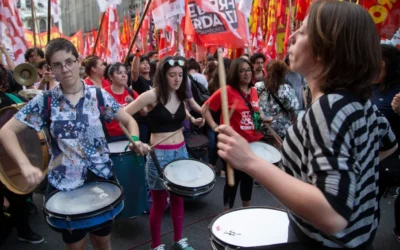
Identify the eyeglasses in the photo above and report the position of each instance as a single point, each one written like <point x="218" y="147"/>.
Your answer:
<point x="173" y="62"/>
<point x="245" y="71"/>
<point x="58" y="67"/>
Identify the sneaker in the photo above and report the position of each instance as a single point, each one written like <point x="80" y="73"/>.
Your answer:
<point x="160" y="247"/>
<point x="182" y="244"/>
<point x="31" y="237"/>
<point x="396" y="234"/>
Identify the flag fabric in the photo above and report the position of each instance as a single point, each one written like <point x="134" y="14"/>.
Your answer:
<point x="301" y="9"/>
<point x="104" y="4"/>
<point x="114" y="51"/>
<point x="12" y="31"/>
<point x="287" y="32"/>
<point x="211" y="23"/>
<point x="148" y="32"/>
<point x="272" y="26"/>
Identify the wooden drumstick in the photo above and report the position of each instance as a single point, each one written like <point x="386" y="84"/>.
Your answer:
<point x="225" y="112"/>
<point x="233" y="109"/>
<point x="126" y="132"/>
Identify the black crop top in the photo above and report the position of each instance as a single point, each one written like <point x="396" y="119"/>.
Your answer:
<point x="162" y="121"/>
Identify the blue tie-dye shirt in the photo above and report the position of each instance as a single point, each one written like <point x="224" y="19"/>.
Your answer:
<point x="78" y="141"/>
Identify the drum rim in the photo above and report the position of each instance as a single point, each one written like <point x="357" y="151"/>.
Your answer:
<point x="202" y="145"/>
<point x="280" y="154"/>
<point x="189" y="159"/>
<point x="175" y="191"/>
<point x="223" y="243"/>
<point x="88" y="214"/>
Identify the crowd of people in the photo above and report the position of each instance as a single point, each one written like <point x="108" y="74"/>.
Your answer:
<point x="334" y="101"/>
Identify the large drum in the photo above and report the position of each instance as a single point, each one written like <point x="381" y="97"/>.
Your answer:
<point x="266" y="151"/>
<point x="197" y="146"/>
<point x="132" y="178"/>
<point x="250" y="228"/>
<point x="35" y="146"/>
<point x="87" y="208"/>
<point x="189" y="178"/>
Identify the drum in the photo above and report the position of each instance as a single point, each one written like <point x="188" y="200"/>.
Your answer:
<point x="35" y="146"/>
<point x="266" y="151"/>
<point x="249" y="228"/>
<point x="131" y="176"/>
<point x="89" y="207"/>
<point x="189" y="178"/>
<point x="197" y="146"/>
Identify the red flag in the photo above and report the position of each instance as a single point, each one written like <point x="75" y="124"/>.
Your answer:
<point x="301" y="9"/>
<point x="213" y="23"/>
<point x="12" y="31"/>
<point x="287" y="33"/>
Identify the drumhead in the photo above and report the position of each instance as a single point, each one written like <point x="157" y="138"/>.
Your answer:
<point x="88" y="198"/>
<point x="189" y="173"/>
<point x="118" y="147"/>
<point x="251" y="227"/>
<point x="266" y="151"/>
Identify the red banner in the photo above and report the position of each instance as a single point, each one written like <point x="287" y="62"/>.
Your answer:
<point x="41" y="38"/>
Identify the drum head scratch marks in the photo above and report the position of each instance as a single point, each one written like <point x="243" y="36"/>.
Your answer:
<point x="189" y="173"/>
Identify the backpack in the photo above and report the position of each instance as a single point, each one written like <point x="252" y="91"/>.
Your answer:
<point x="100" y="105"/>
<point x="199" y="92"/>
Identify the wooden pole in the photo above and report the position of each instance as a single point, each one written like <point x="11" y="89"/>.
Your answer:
<point x="48" y="20"/>
<point x="178" y="30"/>
<point x="34" y="31"/>
<point x="137" y="31"/>
<point x="225" y="111"/>
<point x="98" y="33"/>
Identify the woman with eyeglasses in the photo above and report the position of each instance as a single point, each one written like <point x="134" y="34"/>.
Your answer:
<point x="166" y="112"/>
<point x="79" y="148"/>
<point x="329" y="176"/>
<point x="243" y="99"/>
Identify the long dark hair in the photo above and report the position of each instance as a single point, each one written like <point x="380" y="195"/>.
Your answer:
<point x="391" y="57"/>
<point x="160" y="80"/>
<point x="233" y="78"/>
<point x="276" y="71"/>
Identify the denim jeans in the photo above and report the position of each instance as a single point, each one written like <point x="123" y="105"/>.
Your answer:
<point x="164" y="157"/>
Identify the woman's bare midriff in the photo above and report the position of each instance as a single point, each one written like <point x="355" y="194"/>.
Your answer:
<point x="176" y="139"/>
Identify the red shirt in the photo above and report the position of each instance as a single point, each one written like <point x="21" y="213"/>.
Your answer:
<point x="104" y="82"/>
<point x="123" y="99"/>
<point x="241" y="120"/>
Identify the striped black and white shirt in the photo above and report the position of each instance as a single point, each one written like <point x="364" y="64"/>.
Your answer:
<point x="335" y="147"/>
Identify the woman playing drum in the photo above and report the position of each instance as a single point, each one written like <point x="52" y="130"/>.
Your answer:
<point x="245" y="120"/>
<point x="330" y="156"/>
<point x="167" y="111"/>
<point x="79" y="148"/>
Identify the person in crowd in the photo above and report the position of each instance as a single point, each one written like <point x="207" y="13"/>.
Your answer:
<point x="211" y="66"/>
<point x="152" y="55"/>
<point x="18" y="206"/>
<point x="77" y="158"/>
<point x="384" y="90"/>
<point x="396" y="230"/>
<point x="166" y="112"/>
<point x="153" y="68"/>
<point x="277" y="99"/>
<point x="9" y="62"/>
<point x="33" y="55"/>
<point x="116" y="73"/>
<point x="245" y="120"/>
<point x="297" y="82"/>
<point x="194" y="72"/>
<point x="141" y="82"/>
<point x="330" y="179"/>
<point x="258" y="60"/>
<point x="94" y="69"/>
<point x="48" y="79"/>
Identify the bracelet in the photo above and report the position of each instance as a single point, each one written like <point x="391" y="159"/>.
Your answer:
<point x="135" y="138"/>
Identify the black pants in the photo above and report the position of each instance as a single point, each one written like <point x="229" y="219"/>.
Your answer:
<point x="389" y="173"/>
<point x="246" y="188"/>
<point x="19" y="213"/>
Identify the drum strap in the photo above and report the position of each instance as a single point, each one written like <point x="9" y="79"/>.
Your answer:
<point x="100" y="105"/>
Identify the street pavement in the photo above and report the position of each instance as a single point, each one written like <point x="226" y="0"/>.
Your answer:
<point x="135" y="233"/>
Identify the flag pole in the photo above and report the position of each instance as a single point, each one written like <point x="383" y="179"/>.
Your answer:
<point x="34" y="30"/>
<point x="48" y="20"/>
<point x="178" y="30"/>
<point x="137" y="31"/>
<point x="98" y="32"/>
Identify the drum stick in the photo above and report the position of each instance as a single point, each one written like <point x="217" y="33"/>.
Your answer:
<point x="225" y="112"/>
<point x="166" y="138"/>
<point x="126" y="132"/>
<point x="274" y="134"/>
